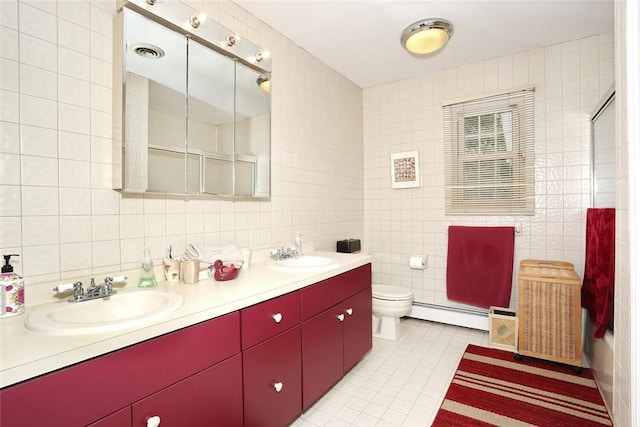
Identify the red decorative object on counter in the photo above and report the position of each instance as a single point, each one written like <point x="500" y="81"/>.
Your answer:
<point x="223" y="272"/>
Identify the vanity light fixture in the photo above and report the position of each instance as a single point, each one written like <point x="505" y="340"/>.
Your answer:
<point x="197" y="20"/>
<point x="262" y="55"/>
<point x="231" y="40"/>
<point x="426" y="36"/>
<point x="194" y="21"/>
<point x="264" y="81"/>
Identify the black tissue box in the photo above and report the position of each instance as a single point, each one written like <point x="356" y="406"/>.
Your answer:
<point x="348" y="246"/>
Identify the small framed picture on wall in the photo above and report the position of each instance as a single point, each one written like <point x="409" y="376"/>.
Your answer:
<point x="405" y="170"/>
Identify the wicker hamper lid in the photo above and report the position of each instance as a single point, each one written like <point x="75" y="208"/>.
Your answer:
<point x="545" y="268"/>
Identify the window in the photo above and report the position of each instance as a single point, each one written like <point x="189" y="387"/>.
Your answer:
<point x="489" y="155"/>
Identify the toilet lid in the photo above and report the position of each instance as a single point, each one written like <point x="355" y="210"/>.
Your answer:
<point x="391" y="292"/>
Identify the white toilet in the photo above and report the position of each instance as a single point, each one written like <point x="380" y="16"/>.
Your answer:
<point x="390" y="303"/>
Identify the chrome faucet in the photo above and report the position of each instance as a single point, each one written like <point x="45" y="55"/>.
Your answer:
<point x="101" y="290"/>
<point x="284" y="253"/>
<point x="94" y="290"/>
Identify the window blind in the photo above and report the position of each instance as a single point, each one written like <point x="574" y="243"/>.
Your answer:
<point x="489" y="155"/>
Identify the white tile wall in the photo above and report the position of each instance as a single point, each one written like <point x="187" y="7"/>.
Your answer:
<point x="74" y="146"/>
<point x="40" y="171"/>
<point x="38" y="141"/>
<point x="55" y="114"/>
<point x="569" y="78"/>
<point x="9" y="137"/>
<point x="38" y="82"/>
<point x="57" y="208"/>
<point x="11" y="201"/>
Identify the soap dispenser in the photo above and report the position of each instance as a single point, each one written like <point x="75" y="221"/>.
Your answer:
<point x="11" y="290"/>
<point x="147" y="278"/>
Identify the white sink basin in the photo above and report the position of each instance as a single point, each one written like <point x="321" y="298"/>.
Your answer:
<point x="304" y="262"/>
<point x="125" y="309"/>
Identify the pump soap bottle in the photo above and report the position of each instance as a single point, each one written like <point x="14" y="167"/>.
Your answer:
<point x="147" y="278"/>
<point x="11" y="290"/>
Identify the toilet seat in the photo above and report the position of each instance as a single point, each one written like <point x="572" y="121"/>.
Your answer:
<point x="391" y="293"/>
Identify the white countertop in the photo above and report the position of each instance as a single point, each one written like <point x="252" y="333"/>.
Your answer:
<point x="25" y="354"/>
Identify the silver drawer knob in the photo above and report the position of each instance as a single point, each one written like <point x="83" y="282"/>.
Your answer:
<point x="341" y="317"/>
<point x="278" y="387"/>
<point x="349" y="311"/>
<point x="277" y="317"/>
<point x="153" y="421"/>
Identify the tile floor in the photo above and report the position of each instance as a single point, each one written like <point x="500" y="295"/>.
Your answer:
<point x="398" y="383"/>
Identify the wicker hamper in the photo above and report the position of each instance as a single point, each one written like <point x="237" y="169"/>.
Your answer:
<point x="549" y="312"/>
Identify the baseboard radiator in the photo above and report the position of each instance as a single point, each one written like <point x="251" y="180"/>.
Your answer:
<point x="457" y="316"/>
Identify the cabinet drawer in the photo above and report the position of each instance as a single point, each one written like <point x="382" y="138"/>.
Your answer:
<point x="269" y="318"/>
<point x="319" y="297"/>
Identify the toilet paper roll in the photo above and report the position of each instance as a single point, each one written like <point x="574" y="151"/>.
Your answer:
<point x="418" y="262"/>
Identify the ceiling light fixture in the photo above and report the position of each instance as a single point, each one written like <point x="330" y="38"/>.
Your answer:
<point x="426" y="36"/>
<point x="264" y="81"/>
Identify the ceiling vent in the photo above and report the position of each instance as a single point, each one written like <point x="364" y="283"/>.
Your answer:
<point x="147" y="50"/>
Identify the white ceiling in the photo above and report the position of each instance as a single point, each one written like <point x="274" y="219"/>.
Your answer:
<point x="361" y="38"/>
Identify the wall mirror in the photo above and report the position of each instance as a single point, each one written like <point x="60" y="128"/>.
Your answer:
<point x="603" y="152"/>
<point x="189" y="114"/>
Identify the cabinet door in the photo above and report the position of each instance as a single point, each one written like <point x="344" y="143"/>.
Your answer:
<point x="357" y="328"/>
<point x="322" y="354"/>
<point x="212" y="397"/>
<point x="272" y="381"/>
<point x="122" y="418"/>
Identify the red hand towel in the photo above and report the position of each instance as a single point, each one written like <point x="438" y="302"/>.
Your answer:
<point x="480" y="265"/>
<point x="599" y="267"/>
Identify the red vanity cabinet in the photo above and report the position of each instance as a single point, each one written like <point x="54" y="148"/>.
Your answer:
<point x="336" y="330"/>
<point x="84" y="393"/>
<point x="260" y="366"/>
<point x="271" y="360"/>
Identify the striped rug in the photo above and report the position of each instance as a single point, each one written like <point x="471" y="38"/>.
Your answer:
<point x="490" y="388"/>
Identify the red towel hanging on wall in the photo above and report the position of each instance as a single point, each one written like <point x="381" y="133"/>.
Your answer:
<point x="599" y="268"/>
<point x="480" y="265"/>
